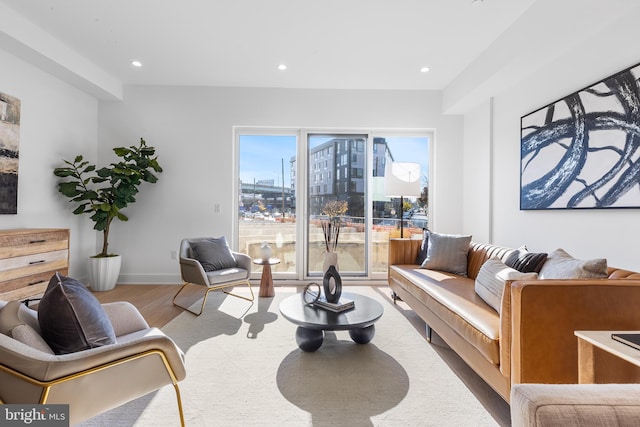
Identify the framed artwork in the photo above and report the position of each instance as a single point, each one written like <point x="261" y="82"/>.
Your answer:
<point x="583" y="151"/>
<point x="9" y="152"/>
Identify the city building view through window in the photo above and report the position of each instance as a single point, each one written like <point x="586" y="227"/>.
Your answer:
<point x="342" y="180"/>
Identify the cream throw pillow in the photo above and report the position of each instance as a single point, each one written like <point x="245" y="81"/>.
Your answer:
<point x="561" y="265"/>
<point x="493" y="276"/>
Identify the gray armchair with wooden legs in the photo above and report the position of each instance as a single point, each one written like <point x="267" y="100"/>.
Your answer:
<point x="212" y="267"/>
<point x="93" y="381"/>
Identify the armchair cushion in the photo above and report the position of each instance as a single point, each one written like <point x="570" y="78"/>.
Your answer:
<point x="213" y="254"/>
<point x="71" y="318"/>
<point x="13" y="325"/>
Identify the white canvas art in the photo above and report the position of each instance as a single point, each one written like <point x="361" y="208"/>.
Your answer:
<point x="583" y="150"/>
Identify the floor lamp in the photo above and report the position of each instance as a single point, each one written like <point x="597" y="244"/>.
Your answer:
<point x="402" y="179"/>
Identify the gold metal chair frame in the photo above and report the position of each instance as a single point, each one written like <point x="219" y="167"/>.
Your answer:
<point x="213" y="288"/>
<point x="47" y="385"/>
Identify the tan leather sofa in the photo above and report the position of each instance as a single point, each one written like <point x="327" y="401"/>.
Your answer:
<point x="533" y="340"/>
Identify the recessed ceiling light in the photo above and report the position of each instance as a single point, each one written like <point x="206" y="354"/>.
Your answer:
<point x="424" y="69"/>
<point x="282" y="67"/>
<point x="136" y="64"/>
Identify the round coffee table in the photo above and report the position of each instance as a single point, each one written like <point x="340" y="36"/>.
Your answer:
<point x="312" y="321"/>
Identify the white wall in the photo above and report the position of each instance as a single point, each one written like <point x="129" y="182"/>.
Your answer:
<point x="192" y="128"/>
<point x="610" y="233"/>
<point x="57" y="121"/>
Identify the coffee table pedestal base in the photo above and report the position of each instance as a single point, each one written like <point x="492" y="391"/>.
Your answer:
<point x="310" y="340"/>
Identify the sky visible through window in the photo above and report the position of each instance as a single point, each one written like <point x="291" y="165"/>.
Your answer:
<point x="262" y="156"/>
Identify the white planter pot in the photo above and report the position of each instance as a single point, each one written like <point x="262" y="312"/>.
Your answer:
<point x="104" y="272"/>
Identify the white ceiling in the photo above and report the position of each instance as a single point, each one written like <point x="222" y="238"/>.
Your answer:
<point x="342" y="44"/>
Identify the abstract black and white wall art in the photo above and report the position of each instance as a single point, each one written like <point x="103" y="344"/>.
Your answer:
<point x="9" y="151"/>
<point x="583" y="151"/>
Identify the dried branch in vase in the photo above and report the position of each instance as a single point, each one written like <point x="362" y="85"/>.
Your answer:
<point x="331" y="227"/>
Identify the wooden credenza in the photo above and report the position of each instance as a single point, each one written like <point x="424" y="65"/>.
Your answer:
<point x="28" y="259"/>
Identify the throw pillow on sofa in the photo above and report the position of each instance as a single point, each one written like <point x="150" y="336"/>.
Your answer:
<point x="561" y="265"/>
<point x="492" y="278"/>
<point x="447" y="252"/>
<point x="422" y="252"/>
<point x="525" y="261"/>
<point x="71" y="318"/>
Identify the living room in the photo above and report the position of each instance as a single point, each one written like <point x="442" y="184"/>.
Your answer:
<point x="71" y="106"/>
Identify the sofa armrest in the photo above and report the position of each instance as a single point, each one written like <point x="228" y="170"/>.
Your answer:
<point x="545" y="313"/>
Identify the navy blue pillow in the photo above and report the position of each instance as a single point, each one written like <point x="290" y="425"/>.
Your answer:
<point x="71" y="318"/>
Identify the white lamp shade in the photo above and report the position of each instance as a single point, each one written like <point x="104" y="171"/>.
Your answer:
<point x="402" y="179"/>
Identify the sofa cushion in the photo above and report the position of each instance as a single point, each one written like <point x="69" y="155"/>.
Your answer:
<point x="447" y="252"/>
<point x="71" y="318"/>
<point x="561" y="265"/>
<point x="13" y="324"/>
<point x="452" y="298"/>
<point x="213" y="254"/>
<point x="525" y="261"/>
<point x="424" y="245"/>
<point x="493" y="276"/>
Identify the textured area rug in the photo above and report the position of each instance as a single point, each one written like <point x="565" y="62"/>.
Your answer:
<point x="245" y="369"/>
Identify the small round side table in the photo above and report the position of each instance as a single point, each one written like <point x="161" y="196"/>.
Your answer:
<point x="266" y="281"/>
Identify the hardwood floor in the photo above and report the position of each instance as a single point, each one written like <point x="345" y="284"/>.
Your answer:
<point x="153" y="301"/>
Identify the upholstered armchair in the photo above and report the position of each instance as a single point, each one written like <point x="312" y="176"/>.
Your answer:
<point x="208" y="262"/>
<point x="142" y="360"/>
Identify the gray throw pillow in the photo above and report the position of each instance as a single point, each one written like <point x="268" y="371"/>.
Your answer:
<point x="493" y="276"/>
<point x="561" y="265"/>
<point x="71" y="318"/>
<point x="447" y="252"/>
<point x="213" y="254"/>
<point x="424" y="245"/>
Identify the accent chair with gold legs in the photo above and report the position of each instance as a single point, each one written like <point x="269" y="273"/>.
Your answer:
<point x="93" y="381"/>
<point x="208" y="262"/>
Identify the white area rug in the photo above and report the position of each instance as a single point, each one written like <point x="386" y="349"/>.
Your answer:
<point x="245" y="369"/>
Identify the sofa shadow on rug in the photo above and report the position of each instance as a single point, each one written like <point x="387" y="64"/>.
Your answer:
<point x="342" y="378"/>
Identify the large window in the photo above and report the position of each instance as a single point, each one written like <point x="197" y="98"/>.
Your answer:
<point x="281" y="200"/>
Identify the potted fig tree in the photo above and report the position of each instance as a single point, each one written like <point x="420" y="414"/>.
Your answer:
<point x="103" y="194"/>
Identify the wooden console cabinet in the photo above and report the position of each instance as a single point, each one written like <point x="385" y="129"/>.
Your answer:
<point x="28" y="259"/>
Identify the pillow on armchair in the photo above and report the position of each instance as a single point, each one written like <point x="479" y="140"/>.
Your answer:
<point x="213" y="254"/>
<point x="71" y="318"/>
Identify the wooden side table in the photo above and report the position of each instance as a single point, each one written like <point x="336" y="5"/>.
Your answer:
<point x="266" y="280"/>
<point x="602" y="360"/>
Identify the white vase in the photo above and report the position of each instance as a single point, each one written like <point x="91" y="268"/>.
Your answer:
<point x="330" y="258"/>
<point x="104" y="272"/>
<point x="265" y="251"/>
